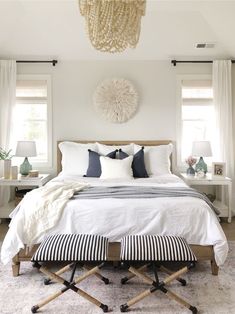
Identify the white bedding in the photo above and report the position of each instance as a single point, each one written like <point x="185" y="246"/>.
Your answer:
<point x="188" y="217"/>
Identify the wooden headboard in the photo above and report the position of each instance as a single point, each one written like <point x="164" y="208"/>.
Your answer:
<point x="117" y="143"/>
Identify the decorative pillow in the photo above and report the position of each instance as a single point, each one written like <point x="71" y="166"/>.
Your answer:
<point x="157" y="158"/>
<point x="94" y="168"/>
<point x="116" y="168"/>
<point x="138" y="165"/>
<point x="105" y="149"/>
<point x="75" y="157"/>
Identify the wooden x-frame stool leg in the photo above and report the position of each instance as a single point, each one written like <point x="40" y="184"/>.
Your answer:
<point x="71" y="284"/>
<point x="145" y="267"/>
<point x="156" y="285"/>
<point x="47" y="281"/>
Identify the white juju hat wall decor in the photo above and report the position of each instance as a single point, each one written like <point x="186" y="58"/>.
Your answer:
<point x="113" y="25"/>
<point x="116" y="100"/>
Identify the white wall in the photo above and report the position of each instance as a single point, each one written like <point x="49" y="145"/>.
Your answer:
<point x="73" y="84"/>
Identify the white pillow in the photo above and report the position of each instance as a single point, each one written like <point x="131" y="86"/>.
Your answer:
<point x="106" y="149"/>
<point x="156" y="158"/>
<point x="116" y="168"/>
<point x="75" y="157"/>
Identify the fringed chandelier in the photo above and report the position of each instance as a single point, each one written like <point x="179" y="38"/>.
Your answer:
<point x="113" y="25"/>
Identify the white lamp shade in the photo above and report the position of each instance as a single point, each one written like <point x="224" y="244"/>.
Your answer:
<point x="26" y="149"/>
<point x="201" y="149"/>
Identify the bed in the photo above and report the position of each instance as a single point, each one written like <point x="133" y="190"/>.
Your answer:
<point x="114" y="218"/>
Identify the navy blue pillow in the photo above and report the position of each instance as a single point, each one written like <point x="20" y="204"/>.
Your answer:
<point x="138" y="165"/>
<point x="94" y="166"/>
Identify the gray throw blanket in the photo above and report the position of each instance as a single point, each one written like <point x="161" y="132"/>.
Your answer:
<point x="129" y="192"/>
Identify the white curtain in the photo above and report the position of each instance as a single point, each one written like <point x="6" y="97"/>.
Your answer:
<point x="7" y="102"/>
<point x="222" y="87"/>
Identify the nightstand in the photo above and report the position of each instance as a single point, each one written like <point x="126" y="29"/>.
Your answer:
<point x="41" y="180"/>
<point x="223" y="183"/>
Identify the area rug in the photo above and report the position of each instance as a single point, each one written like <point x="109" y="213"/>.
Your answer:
<point x="210" y="294"/>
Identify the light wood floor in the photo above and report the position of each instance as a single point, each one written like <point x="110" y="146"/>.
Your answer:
<point x="229" y="229"/>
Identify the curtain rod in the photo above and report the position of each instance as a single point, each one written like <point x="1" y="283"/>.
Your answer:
<point x="54" y="62"/>
<point x="174" y="62"/>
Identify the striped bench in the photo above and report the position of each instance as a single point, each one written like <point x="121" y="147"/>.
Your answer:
<point x="153" y="251"/>
<point x="76" y="250"/>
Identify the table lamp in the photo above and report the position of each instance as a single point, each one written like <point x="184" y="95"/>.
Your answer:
<point x="201" y="149"/>
<point x="25" y="149"/>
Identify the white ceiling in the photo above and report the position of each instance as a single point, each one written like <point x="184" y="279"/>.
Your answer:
<point x="55" y="29"/>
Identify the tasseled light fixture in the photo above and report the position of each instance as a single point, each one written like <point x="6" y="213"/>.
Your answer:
<point x="113" y="25"/>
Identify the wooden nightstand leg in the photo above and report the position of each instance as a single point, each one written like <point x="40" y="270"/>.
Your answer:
<point x="15" y="266"/>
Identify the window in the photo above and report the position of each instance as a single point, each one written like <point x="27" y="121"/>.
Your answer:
<point x="32" y="116"/>
<point x="197" y="114"/>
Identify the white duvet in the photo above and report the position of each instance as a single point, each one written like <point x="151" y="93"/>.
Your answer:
<point x="188" y="217"/>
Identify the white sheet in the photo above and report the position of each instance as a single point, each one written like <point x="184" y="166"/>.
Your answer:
<point x="188" y="217"/>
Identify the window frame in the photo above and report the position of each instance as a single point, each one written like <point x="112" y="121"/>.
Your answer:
<point x="46" y="77"/>
<point x="179" y="122"/>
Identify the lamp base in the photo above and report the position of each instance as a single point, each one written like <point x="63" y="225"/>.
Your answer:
<point x="201" y="166"/>
<point x="25" y="167"/>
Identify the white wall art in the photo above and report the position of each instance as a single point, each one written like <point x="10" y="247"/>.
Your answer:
<point x="116" y="100"/>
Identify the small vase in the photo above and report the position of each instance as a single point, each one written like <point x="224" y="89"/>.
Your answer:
<point x="14" y="172"/>
<point x="190" y="171"/>
<point x="7" y="169"/>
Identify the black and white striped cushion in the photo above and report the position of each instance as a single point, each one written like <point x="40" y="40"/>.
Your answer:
<point x="72" y="247"/>
<point x="155" y="248"/>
